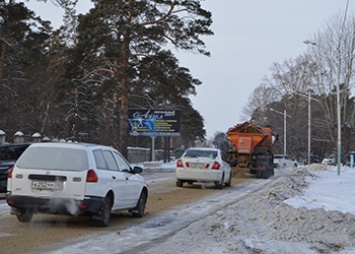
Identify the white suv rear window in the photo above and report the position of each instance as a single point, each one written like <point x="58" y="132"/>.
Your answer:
<point x="54" y="158"/>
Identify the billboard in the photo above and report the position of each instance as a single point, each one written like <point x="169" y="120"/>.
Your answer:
<point x="151" y="122"/>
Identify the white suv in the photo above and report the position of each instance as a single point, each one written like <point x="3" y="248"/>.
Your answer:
<point x="74" y="179"/>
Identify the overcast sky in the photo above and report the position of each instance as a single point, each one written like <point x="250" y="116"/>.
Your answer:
<point x="250" y="35"/>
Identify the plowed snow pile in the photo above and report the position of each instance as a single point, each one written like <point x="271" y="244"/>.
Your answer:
<point x="264" y="223"/>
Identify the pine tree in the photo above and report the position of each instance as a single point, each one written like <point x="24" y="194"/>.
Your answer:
<point x="116" y="36"/>
<point x="24" y="38"/>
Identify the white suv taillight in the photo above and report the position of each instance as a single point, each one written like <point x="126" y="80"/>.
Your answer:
<point x="91" y="176"/>
<point x="9" y="174"/>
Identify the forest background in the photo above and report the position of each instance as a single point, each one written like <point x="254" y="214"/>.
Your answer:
<point x="78" y="81"/>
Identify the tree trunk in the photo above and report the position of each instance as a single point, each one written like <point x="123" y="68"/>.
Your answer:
<point x="123" y="118"/>
<point x="2" y="59"/>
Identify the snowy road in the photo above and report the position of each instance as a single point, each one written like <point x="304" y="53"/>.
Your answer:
<point x="251" y="217"/>
<point x="123" y="231"/>
<point x="247" y="218"/>
<point x="136" y="239"/>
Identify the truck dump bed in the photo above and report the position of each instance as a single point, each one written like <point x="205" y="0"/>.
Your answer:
<point x="247" y="136"/>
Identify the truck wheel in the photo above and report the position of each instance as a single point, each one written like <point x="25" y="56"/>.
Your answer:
<point x="265" y="175"/>
<point x="139" y="209"/>
<point x="24" y="216"/>
<point x="105" y="213"/>
<point x="179" y="183"/>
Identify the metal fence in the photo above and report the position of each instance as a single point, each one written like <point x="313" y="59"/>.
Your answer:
<point x="141" y="154"/>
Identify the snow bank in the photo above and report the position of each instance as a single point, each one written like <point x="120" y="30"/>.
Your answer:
<point x="265" y="223"/>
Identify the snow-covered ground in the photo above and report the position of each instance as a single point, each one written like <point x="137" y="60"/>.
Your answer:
<point x="309" y="211"/>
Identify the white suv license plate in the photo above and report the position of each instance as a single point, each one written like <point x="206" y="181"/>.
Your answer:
<point x="42" y="185"/>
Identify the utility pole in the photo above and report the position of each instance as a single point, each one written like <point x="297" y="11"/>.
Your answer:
<point x="285" y="133"/>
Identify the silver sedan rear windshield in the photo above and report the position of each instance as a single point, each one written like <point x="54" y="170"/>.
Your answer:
<point x="53" y="158"/>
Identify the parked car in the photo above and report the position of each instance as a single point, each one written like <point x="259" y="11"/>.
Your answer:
<point x="284" y="161"/>
<point x="201" y="164"/>
<point x="75" y="179"/>
<point x="328" y="161"/>
<point x="9" y="153"/>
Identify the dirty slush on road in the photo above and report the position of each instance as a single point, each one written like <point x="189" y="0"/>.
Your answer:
<point x="49" y="232"/>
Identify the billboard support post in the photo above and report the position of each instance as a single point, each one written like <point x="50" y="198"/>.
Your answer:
<point x="153" y="147"/>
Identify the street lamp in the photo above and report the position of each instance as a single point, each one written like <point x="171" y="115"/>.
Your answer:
<point x="308" y="42"/>
<point x="285" y="115"/>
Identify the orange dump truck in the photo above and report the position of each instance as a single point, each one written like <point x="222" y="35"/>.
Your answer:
<point x="253" y="146"/>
